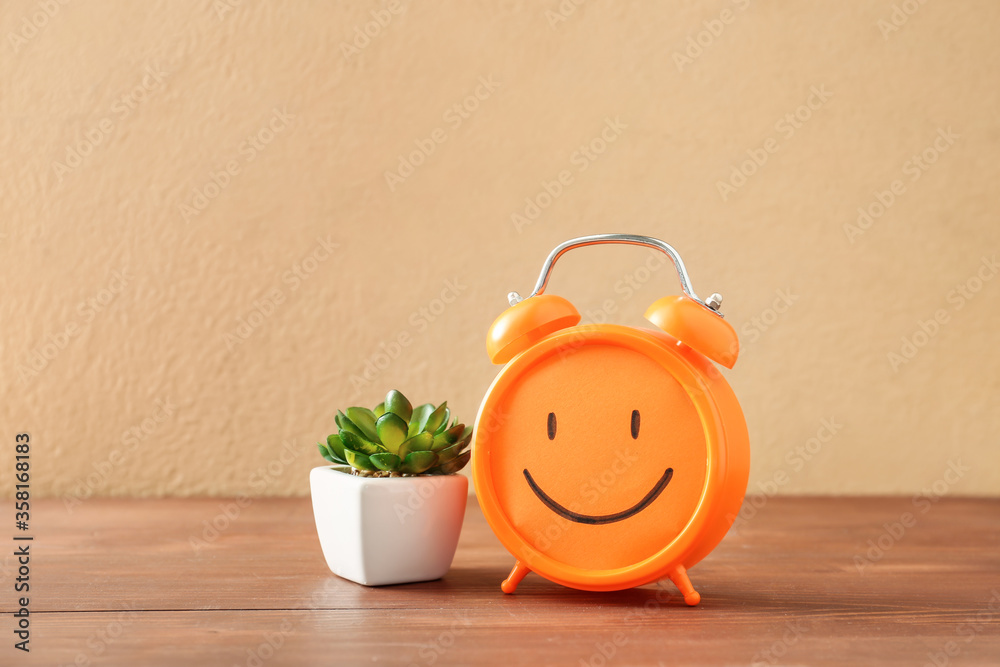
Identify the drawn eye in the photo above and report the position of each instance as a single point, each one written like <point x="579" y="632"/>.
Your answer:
<point x="635" y="424"/>
<point x="552" y="426"/>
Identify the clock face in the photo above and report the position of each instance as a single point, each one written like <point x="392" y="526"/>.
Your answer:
<point x="599" y="455"/>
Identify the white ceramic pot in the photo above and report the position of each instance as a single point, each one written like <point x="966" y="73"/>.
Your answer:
<point x="387" y="530"/>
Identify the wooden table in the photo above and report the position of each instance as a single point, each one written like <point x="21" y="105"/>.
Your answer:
<point x="132" y="582"/>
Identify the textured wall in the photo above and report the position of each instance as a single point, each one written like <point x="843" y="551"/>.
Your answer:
<point x="208" y="229"/>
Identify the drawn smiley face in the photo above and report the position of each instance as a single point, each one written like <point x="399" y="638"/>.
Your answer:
<point x="601" y="457"/>
<point x="592" y="519"/>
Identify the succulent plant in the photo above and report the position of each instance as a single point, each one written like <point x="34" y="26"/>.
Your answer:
<point x="396" y="439"/>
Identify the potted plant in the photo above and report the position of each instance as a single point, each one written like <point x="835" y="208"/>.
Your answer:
<point x="390" y="508"/>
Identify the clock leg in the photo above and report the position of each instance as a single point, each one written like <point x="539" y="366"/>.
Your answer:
<point x="509" y="584"/>
<point x="680" y="578"/>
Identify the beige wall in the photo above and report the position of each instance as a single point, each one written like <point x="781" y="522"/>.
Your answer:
<point x="115" y="116"/>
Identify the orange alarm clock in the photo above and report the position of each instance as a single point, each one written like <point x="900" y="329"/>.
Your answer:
<point x="607" y="457"/>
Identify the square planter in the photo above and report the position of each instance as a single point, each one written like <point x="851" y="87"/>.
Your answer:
<point x="387" y="530"/>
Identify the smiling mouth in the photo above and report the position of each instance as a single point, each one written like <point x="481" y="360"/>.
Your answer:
<point x="607" y="518"/>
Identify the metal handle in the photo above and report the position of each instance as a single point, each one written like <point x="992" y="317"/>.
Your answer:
<point x="713" y="303"/>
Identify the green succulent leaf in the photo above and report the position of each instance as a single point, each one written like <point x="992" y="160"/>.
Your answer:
<point x="388" y="462"/>
<point x="391" y="431"/>
<point x="364" y="419"/>
<point x="345" y="424"/>
<point x="455" y="464"/>
<point x="418" y="462"/>
<point x="458" y="447"/>
<point x="448" y="437"/>
<point x="451" y="451"/>
<point x="437" y="418"/>
<point x="397" y="437"/>
<point x="336" y="447"/>
<point x="444" y="424"/>
<point x="324" y="452"/>
<point x="398" y="405"/>
<point x="419" y="418"/>
<point x="359" y="444"/>
<point x="440" y="442"/>
<point x="358" y="460"/>
<point x="421" y="442"/>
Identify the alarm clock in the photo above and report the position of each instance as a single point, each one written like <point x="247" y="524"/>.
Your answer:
<point x="606" y="456"/>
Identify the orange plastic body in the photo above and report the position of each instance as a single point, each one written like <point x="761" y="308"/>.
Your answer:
<point x="607" y="457"/>
<point x="526" y="323"/>
<point x="687" y="320"/>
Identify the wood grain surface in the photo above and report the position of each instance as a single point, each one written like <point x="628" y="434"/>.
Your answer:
<point x="804" y="581"/>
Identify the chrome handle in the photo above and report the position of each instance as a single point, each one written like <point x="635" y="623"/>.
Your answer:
<point x="712" y="303"/>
